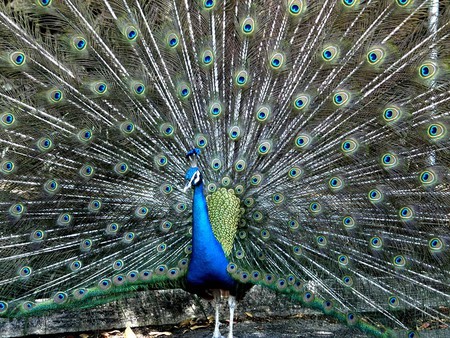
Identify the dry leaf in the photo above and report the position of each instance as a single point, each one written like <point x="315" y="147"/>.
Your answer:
<point x="129" y="332"/>
<point x="196" y="327"/>
<point x="248" y="314"/>
<point x="157" y="334"/>
<point x="185" y="323"/>
<point x="298" y="315"/>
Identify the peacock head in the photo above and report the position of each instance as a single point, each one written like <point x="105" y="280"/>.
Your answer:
<point x="193" y="178"/>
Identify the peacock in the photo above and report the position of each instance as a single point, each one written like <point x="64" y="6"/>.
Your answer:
<point x="214" y="145"/>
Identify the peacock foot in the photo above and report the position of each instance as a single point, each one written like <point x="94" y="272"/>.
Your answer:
<point x="216" y="333"/>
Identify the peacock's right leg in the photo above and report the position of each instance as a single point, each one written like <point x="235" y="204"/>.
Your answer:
<point x="217" y="299"/>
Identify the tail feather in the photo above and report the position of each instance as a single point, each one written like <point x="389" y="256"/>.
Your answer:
<point x="328" y="119"/>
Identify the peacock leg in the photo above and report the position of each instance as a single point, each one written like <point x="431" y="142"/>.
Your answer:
<point x="232" y="306"/>
<point x="217" y="299"/>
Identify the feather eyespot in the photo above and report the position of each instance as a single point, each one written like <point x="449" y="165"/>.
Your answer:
<point x="406" y="213"/>
<point x="295" y="172"/>
<point x="85" y="135"/>
<point x="293" y="224"/>
<point x="172" y="40"/>
<point x="207" y="57"/>
<point x="51" y="187"/>
<point x="234" y="133"/>
<point x="329" y="53"/>
<point x="315" y="208"/>
<point x="3" y="307"/>
<point x="301" y="102"/>
<point x="167" y="129"/>
<point x="278" y="198"/>
<point x="277" y="60"/>
<point x="348" y="222"/>
<point x="17" y="210"/>
<point x="129" y="237"/>
<point x="404" y="3"/>
<point x="399" y="261"/>
<point x="105" y="284"/>
<point x="264" y="148"/>
<point x="295" y="7"/>
<point x="240" y="165"/>
<point x="216" y="164"/>
<point x="343" y="260"/>
<point x="428" y="70"/>
<point x="86" y="245"/>
<point x="248" y="26"/>
<point x="256" y="179"/>
<point x="302" y="141"/>
<point x="25" y="272"/>
<point x="7" y="167"/>
<point x="86" y="171"/>
<point x="64" y="219"/>
<point x="375" y="196"/>
<point x="321" y="241"/>
<point x="75" y="266"/>
<point x="121" y="168"/>
<point x="436" y="131"/>
<point x="17" y="58"/>
<point x="376" y="242"/>
<point x="37" y="236"/>
<point x="44" y="3"/>
<point x="389" y="160"/>
<point x="241" y="78"/>
<point x="44" y="144"/>
<point x="263" y="113"/>
<point x="184" y="91"/>
<point x="209" y="4"/>
<point x="347" y="280"/>
<point x="79" y="43"/>
<point x="435" y="244"/>
<point x="138" y="88"/>
<point x="7" y="120"/>
<point x="341" y="98"/>
<point x="336" y="183"/>
<point x="349" y="3"/>
<point x="131" y="33"/>
<point x="375" y="56"/>
<point x="392" y="114"/>
<point x="55" y="95"/>
<point x="215" y="110"/>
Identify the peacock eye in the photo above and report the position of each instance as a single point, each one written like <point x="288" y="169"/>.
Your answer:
<point x="131" y="33"/>
<point x="329" y="53"/>
<point x="248" y="26"/>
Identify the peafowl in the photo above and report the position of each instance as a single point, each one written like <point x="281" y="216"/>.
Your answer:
<point x="214" y="145"/>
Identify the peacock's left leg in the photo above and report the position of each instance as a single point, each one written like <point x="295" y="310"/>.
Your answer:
<point x="232" y="305"/>
<point x="217" y="299"/>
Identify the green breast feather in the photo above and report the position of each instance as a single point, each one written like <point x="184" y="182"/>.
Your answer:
<point x="224" y="213"/>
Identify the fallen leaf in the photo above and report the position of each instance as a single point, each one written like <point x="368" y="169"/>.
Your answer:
<point x="157" y="334"/>
<point x="298" y="315"/>
<point x="129" y="332"/>
<point x="185" y="323"/>
<point x="196" y="327"/>
<point x="248" y="314"/>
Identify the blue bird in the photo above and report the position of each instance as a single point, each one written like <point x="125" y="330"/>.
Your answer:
<point x="312" y="137"/>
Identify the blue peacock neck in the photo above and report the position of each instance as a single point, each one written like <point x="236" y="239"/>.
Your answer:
<point x="208" y="264"/>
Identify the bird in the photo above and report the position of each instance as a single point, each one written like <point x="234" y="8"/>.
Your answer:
<point x="216" y="145"/>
